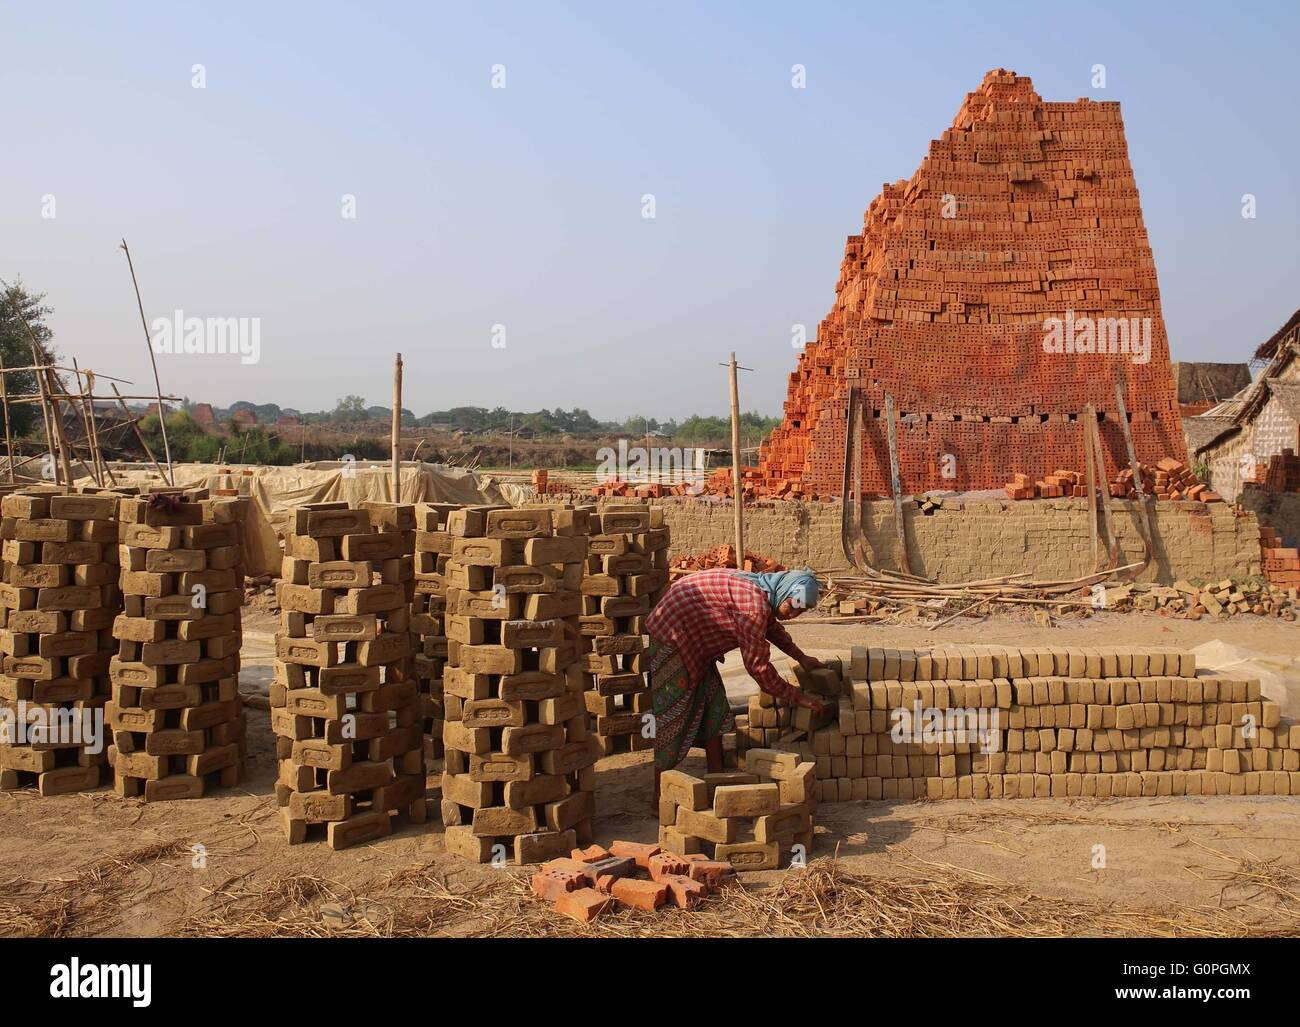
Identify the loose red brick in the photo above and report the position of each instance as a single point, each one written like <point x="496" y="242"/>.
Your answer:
<point x="591" y="854"/>
<point x="663" y="864"/>
<point x="647" y="895"/>
<point x="639" y="851"/>
<point x="711" y="873"/>
<point x="584" y="905"/>
<point x="551" y="884"/>
<point x="686" y="893"/>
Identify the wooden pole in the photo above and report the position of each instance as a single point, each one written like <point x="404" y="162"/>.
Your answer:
<point x="4" y="398"/>
<point x="1149" y="534"/>
<point x="1090" y="479"/>
<point x="397" y="429"/>
<point x="94" y="430"/>
<point x="1095" y="436"/>
<point x="139" y="438"/>
<point x="737" y="488"/>
<point x="162" y="412"/>
<point x="895" y="485"/>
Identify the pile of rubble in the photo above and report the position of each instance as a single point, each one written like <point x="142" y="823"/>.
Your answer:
<point x="641" y="876"/>
<point x="1186" y="601"/>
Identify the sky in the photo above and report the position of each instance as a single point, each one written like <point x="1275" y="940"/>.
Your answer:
<point x="499" y="158"/>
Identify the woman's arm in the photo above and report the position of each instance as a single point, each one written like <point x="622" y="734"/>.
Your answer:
<point x="780" y="637"/>
<point x="752" y="633"/>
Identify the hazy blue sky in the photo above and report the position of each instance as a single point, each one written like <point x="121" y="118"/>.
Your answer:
<point x="522" y="206"/>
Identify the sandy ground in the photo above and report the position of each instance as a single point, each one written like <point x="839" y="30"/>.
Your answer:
<point x="92" y="864"/>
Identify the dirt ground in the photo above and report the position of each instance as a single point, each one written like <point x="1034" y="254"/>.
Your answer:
<point x="92" y="864"/>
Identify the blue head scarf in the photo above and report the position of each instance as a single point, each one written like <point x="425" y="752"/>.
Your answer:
<point x="801" y="586"/>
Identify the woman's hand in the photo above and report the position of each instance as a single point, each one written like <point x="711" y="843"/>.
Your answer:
<point x="810" y="663"/>
<point x="809" y="703"/>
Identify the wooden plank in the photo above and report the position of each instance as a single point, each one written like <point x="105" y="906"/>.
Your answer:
<point x="895" y="486"/>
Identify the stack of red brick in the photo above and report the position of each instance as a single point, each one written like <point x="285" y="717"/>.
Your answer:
<point x="723" y="556"/>
<point x="633" y="874"/>
<point x="1021" y="212"/>
<point x="1281" y="564"/>
<point x="1280" y="474"/>
<point x="627" y="490"/>
<point x="1168" y="479"/>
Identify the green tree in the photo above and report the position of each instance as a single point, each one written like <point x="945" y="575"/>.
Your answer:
<point x="16" y="351"/>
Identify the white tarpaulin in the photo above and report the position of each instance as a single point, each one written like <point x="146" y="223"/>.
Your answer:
<point x="277" y="490"/>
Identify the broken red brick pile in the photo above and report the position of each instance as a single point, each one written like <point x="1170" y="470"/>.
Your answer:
<point x="345" y="706"/>
<point x="519" y="774"/>
<point x="752" y="819"/>
<point x="627" y="572"/>
<point x="723" y="556"/>
<point x="178" y="722"/>
<point x="57" y="606"/>
<point x="1168" y="479"/>
<point x="640" y="876"/>
<point x="1022" y="212"/>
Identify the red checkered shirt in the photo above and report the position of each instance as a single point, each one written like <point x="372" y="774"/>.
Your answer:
<point x="707" y="614"/>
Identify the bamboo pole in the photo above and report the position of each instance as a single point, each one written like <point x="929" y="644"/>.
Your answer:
<point x="53" y="435"/>
<point x="397" y="429"/>
<point x="162" y="411"/>
<point x="1094" y="434"/>
<point x="737" y="488"/>
<point x="121" y="401"/>
<point x="4" y="398"/>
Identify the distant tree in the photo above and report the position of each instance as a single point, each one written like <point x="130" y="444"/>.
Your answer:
<point x="349" y="408"/>
<point x="16" y="350"/>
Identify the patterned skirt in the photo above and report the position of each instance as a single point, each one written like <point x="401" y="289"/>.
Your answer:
<point x="686" y="714"/>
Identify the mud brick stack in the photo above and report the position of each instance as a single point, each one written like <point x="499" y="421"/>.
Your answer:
<point x="752" y="818"/>
<point x="627" y="572"/>
<point x="993" y="722"/>
<point x="177" y="720"/>
<point x="57" y="605"/>
<point x="428" y="608"/>
<point x="1022" y="211"/>
<point x="771" y="724"/>
<point x="519" y="773"/>
<point x="345" y="705"/>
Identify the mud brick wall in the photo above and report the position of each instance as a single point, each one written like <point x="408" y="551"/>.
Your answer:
<point x="626" y="573"/>
<point x="1058" y="722"/>
<point x="345" y="706"/>
<point x="1023" y="210"/>
<point x="519" y="775"/>
<point x="57" y="606"/>
<point x="965" y="540"/>
<point x="752" y="818"/>
<point x="428" y="609"/>
<point x="178" y="723"/>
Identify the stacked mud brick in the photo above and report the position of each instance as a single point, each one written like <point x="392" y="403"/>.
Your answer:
<point x="752" y="819"/>
<point x="428" y="608"/>
<point x="518" y="758"/>
<point x="627" y="572"/>
<point x="993" y="722"/>
<point x="770" y="724"/>
<point x="57" y="605"/>
<point x="177" y="719"/>
<point x="345" y="706"/>
<point x="1022" y="211"/>
<point x="592" y="880"/>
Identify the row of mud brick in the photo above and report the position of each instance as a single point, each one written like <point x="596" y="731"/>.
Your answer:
<point x="1021" y="212"/>
<point x="124" y="611"/>
<point x="991" y="722"/>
